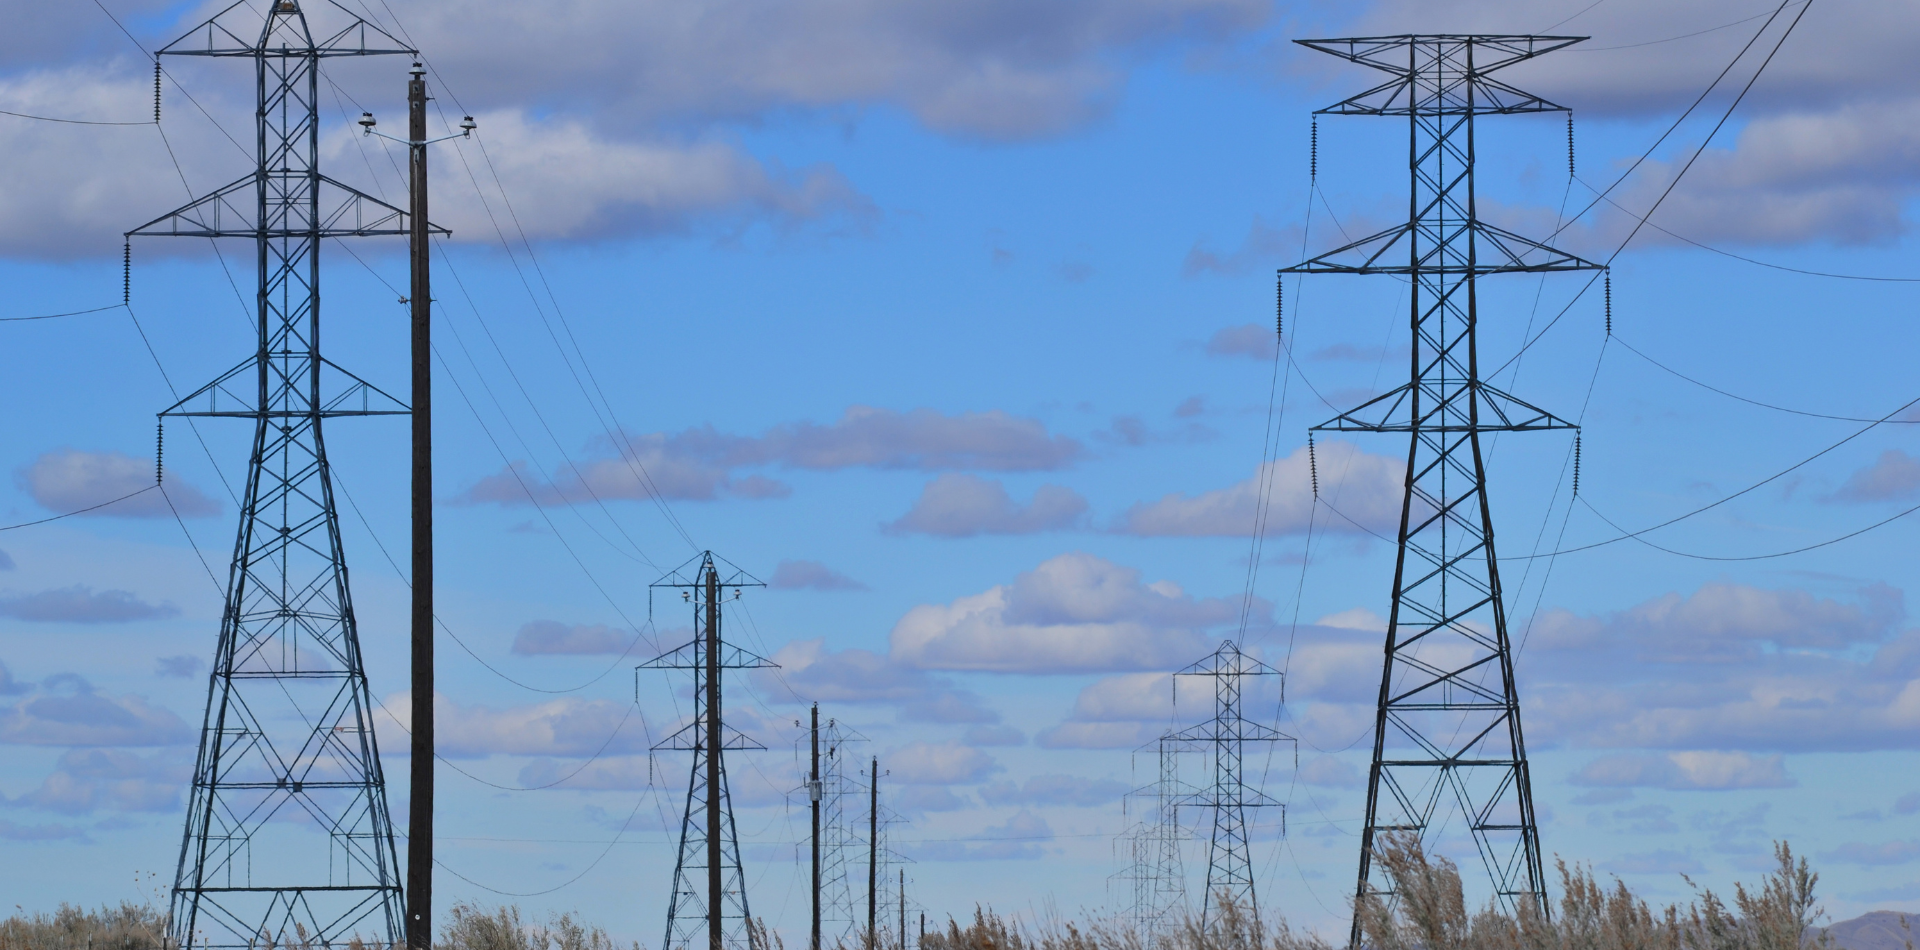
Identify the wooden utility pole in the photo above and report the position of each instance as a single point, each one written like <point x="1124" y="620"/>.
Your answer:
<point x="814" y="792"/>
<point x="420" y="784"/>
<point x="873" y="853"/>
<point x="716" y="933"/>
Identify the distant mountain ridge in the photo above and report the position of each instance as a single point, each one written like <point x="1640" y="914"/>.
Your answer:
<point x="1879" y="930"/>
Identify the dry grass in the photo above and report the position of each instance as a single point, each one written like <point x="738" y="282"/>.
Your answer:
<point x="1427" y="912"/>
<point x="127" y="927"/>
<point x="470" y="927"/>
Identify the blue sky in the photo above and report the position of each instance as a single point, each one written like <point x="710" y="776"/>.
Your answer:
<point x="952" y="321"/>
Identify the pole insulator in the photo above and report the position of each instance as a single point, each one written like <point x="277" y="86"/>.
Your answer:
<point x="1313" y="151"/>
<point x="126" y="273"/>
<point x="1569" y="143"/>
<point x="1313" y="467"/>
<point x="1609" y="292"/>
<point x="159" y="451"/>
<point x="1576" y="466"/>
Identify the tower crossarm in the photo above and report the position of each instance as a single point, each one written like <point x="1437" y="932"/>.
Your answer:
<point x="1228" y="730"/>
<point x="692" y="738"/>
<point x="235" y="393"/>
<point x="330" y="210"/>
<point x="214" y="37"/>
<point x="1389" y="252"/>
<point x="692" y="574"/>
<point x="692" y="656"/>
<point x="1441" y="74"/>
<point x="1444" y="410"/>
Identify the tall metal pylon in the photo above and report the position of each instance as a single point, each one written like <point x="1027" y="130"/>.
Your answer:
<point x="712" y="913"/>
<point x="287" y="752"/>
<point x="1449" y="715"/>
<point x="1229" y="865"/>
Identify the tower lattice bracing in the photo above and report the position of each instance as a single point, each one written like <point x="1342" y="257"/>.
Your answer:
<point x="1448" y="754"/>
<point x="708" y="906"/>
<point x="1229" y="861"/>
<point x="288" y="838"/>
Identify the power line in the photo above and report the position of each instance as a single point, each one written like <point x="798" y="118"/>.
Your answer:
<point x="589" y="760"/>
<point x="570" y="881"/>
<point x="1676" y="179"/>
<point x="82" y="511"/>
<point x="48" y="118"/>
<point x="52" y="316"/>
<point x="1740" y="257"/>
<point x="620" y="444"/>
<point x="1755" y="402"/>
<point x="1670" y="39"/>
<point x="1727" y="498"/>
<point x="1752" y="557"/>
<point x="130" y="38"/>
<point x="486" y="328"/>
<point x="444" y="628"/>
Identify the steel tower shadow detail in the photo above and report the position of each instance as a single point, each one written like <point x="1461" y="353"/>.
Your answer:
<point x="288" y="838"/>
<point x="1448" y="721"/>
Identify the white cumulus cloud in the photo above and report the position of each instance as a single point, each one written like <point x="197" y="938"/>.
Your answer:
<point x="1364" y="487"/>
<point x="961" y="505"/>
<point x="1074" y="613"/>
<point x="69" y="480"/>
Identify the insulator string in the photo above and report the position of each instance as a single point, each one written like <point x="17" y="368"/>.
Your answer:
<point x="1313" y="152"/>
<point x="126" y="273"/>
<point x="1609" y="292"/>
<point x="1576" y="466"/>
<point x="1280" y="308"/>
<point x="159" y="450"/>
<point x="156" y="90"/>
<point x="1313" y="467"/>
<point x="1569" y="144"/>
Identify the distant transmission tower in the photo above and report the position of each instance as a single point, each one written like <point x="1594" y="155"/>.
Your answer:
<point x="714" y="916"/>
<point x="287" y="752"/>
<point x="1155" y="874"/>
<point x="893" y="883"/>
<point x="1229" y="865"/>
<point x="842" y="846"/>
<point x="1449" y="717"/>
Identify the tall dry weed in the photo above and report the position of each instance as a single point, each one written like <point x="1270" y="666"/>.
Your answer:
<point x="1427" y="911"/>
<point x="129" y="926"/>
<point x="470" y="927"/>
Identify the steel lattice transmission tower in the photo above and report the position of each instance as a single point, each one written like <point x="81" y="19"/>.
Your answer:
<point x="1155" y="874"/>
<point x="287" y="751"/>
<point x="713" y="916"/>
<point x="1448" y="724"/>
<point x="842" y="847"/>
<point x="1229" y="865"/>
